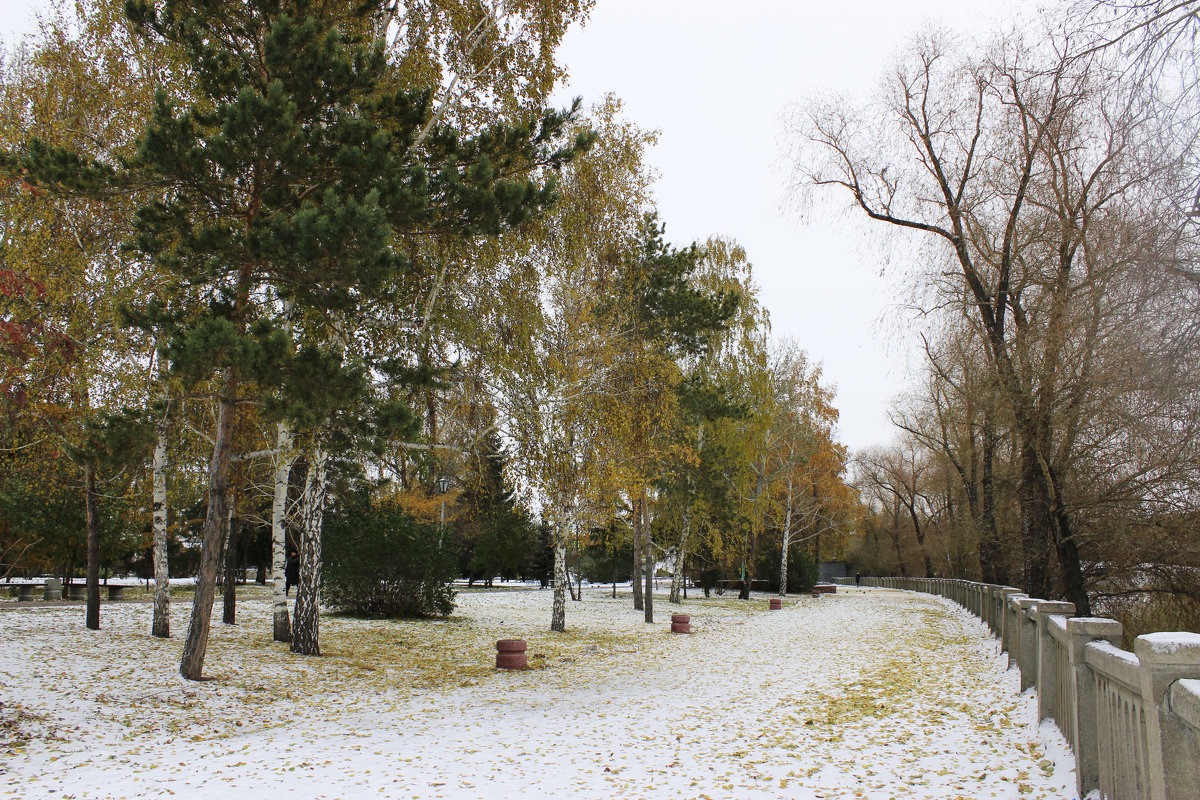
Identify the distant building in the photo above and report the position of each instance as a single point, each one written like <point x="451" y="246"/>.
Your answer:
<point x="833" y="569"/>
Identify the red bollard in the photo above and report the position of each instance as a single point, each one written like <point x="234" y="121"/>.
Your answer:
<point x="776" y="604"/>
<point x="510" y="654"/>
<point x="681" y="623"/>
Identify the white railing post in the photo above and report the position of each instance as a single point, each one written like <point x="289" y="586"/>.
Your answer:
<point x="996" y="601"/>
<point x="1047" y="683"/>
<point x="1005" y="622"/>
<point x="1011" y="640"/>
<point x="1085" y="738"/>
<point x="1172" y="745"/>
<point x="1027" y="636"/>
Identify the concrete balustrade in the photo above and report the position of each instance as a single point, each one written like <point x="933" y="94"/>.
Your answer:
<point x="1027" y="640"/>
<point x="1133" y="719"/>
<point x="1006" y="595"/>
<point x="1053" y="664"/>
<point x="1085" y="730"/>
<point x="1167" y="659"/>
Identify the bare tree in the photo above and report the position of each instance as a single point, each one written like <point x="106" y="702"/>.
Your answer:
<point x="903" y="471"/>
<point x="955" y="416"/>
<point x="1027" y="166"/>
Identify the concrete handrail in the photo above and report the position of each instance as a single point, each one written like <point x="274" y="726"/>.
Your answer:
<point x="1185" y="701"/>
<point x="1133" y="719"/>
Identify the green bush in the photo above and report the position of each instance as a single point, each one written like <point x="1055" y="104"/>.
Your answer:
<point x="608" y="556"/>
<point x="378" y="562"/>
<point x="802" y="572"/>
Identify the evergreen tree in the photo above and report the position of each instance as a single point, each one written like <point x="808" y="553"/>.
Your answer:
<point x="496" y="536"/>
<point x="382" y="563"/>
<point x="110" y="443"/>
<point x="607" y="556"/>
<point x="668" y="318"/>
<point x="671" y="313"/>
<point x="286" y="177"/>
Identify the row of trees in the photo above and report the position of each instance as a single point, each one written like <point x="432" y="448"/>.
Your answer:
<point x="642" y="407"/>
<point x="1046" y="186"/>
<point x="271" y="264"/>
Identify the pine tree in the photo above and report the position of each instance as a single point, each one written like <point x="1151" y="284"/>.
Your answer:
<point x="287" y="176"/>
<point x="110" y="443"/>
<point x="669" y="318"/>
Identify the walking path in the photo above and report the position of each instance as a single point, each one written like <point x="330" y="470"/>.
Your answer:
<point x="866" y="694"/>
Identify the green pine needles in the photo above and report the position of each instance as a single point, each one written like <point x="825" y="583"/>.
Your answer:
<point x="289" y="166"/>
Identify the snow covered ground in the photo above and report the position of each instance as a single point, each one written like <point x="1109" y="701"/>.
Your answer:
<point x="867" y="694"/>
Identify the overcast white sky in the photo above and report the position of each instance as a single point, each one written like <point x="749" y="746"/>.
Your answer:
<point x="715" y="79"/>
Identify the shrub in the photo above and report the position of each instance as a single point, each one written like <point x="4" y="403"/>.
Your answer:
<point x="1154" y="613"/>
<point x="803" y="573"/>
<point x="378" y="562"/>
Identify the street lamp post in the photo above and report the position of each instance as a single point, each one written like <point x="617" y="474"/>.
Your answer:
<point x="443" y="484"/>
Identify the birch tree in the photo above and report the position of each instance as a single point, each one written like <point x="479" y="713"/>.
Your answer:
<point x="549" y="353"/>
<point x="318" y="223"/>
<point x="76" y="85"/>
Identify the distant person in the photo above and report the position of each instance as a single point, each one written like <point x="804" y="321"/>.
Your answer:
<point x="291" y="572"/>
<point x="858" y="579"/>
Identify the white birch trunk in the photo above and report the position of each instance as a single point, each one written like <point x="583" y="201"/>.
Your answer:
<point x="284" y="459"/>
<point x="577" y="587"/>
<point x="787" y="541"/>
<point x="161" y="623"/>
<point x="305" y="625"/>
<point x="637" y="559"/>
<point x="648" y="558"/>
<point x="684" y="531"/>
<point x="558" y="616"/>
<point x="680" y="556"/>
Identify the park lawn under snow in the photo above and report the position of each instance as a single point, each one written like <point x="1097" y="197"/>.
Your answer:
<point x="866" y="694"/>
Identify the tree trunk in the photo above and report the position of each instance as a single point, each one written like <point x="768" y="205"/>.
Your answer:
<point x="306" y="625"/>
<point x="1045" y="525"/>
<point x="896" y="540"/>
<point x="993" y="558"/>
<point x="678" y="590"/>
<point x="637" y="556"/>
<point x="575" y="590"/>
<point x="744" y="589"/>
<point x="229" y="583"/>
<point x="191" y="665"/>
<point x="1035" y="524"/>
<point x="1068" y="557"/>
<point x="681" y="556"/>
<point x="648" y="545"/>
<point x="899" y="556"/>
<point x="750" y="540"/>
<point x="787" y="542"/>
<point x="920" y="533"/>
<point x="92" y="517"/>
<point x="816" y="537"/>
<point x="558" y="615"/>
<point x="161" y="624"/>
<point x="284" y="458"/>
<point x="613" y="575"/>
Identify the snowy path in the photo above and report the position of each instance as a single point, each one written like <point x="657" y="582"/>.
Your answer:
<point x="871" y="694"/>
